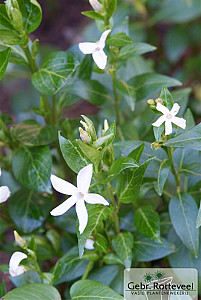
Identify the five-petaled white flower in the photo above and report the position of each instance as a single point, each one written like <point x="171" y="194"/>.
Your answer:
<point x="14" y="268"/>
<point x="169" y="118"/>
<point x="96" y="49"/>
<point x="78" y="195"/>
<point x="4" y="192"/>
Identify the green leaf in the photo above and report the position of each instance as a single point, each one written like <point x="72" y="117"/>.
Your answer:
<point x="4" y="56"/>
<point x="128" y="93"/>
<point x="123" y="245"/>
<point x="135" y="49"/>
<point x="191" y="169"/>
<point x="101" y="243"/>
<point x="73" y="155"/>
<point x="145" y="249"/>
<point x="31" y="133"/>
<point x="54" y="72"/>
<point x="107" y="138"/>
<point x="89" y="289"/>
<point x="93" y="15"/>
<point x="93" y="155"/>
<point x="112" y="259"/>
<point x="183" y="213"/>
<point x="166" y="97"/>
<point x="89" y="90"/>
<point x="162" y="176"/>
<point x="32" y="168"/>
<point x="136" y="153"/>
<point x="96" y="214"/>
<point x="147" y="222"/>
<point x="130" y="182"/>
<point x="31" y="13"/>
<point x="119" y="165"/>
<point x="4" y="18"/>
<point x="119" y="40"/>
<point x="149" y="83"/>
<point x="158" y="131"/>
<point x="29" y="209"/>
<point x="29" y="291"/>
<point x="190" y="139"/>
<point x="85" y="68"/>
<point x="2" y="288"/>
<point x="8" y="37"/>
<point x="110" y="7"/>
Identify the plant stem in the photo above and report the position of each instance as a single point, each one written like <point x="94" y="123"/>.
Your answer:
<point x="116" y="99"/>
<point x="32" y="62"/>
<point x="54" y="110"/>
<point x="88" y="269"/>
<point x="170" y="155"/>
<point x="116" y="218"/>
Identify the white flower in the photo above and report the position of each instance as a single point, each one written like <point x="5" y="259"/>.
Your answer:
<point x="90" y="243"/>
<point x="169" y="118"/>
<point x="4" y="192"/>
<point x="95" y="5"/>
<point x="14" y="268"/>
<point x="96" y="49"/>
<point x="78" y="195"/>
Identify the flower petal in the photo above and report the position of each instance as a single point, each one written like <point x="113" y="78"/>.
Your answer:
<point x="162" y="108"/>
<point x="4" y="193"/>
<point x="66" y="205"/>
<point x="168" y="127"/>
<point x="95" y="199"/>
<point x="84" y="178"/>
<point x="15" y="260"/>
<point x="175" y="109"/>
<point x="82" y="215"/>
<point x="62" y="186"/>
<point x="87" y="48"/>
<point x="179" y="122"/>
<point x="100" y="59"/>
<point x="89" y="244"/>
<point x="101" y="42"/>
<point x="160" y="121"/>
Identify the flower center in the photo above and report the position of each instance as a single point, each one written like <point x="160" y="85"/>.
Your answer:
<point x="97" y="48"/>
<point x="81" y="194"/>
<point x="169" y="116"/>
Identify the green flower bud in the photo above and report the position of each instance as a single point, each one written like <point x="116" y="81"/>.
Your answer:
<point x="19" y="240"/>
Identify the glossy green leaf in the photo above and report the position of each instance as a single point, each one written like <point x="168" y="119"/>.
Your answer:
<point x="107" y="138"/>
<point x="128" y="93"/>
<point x="135" y="49"/>
<point x="190" y="139"/>
<point x="119" y="40"/>
<point x="162" y="176"/>
<point x="54" y="72"/>
<point x="32" y="14"/>
<point x="101" y="243"/>
<point x="31" y="133"/>
<point x="112" y="259"/>
<point x="32" y="168"/>
<point x="29" y="291"/>
<point x="183" y="213"/>
<point x="4" y="19"/>
<point x="198" y="220"/>
<point x="89" y="289"/>
<point x="73" y="155"/>
<point x="136" y="153"/>
<point x="130" y="182"/>
<point x="147" y="84"/>
<point x="191" y="169"/>
<point x="4" y="56"/>
<point x="166" y="97"/>
<point x="85" y="68"/>
<point x="110" y="7"/>
<point x="147" y="222"/>
<point x="145" y="249"/>
<point x="29" y="209"/>
<point x="8" y="37"/>
<point x="119" y="165"/>
<point x="158" y="131"/>
<point x="123" y="245"/>
<point x="92" y="154"/>
<point x="93" y="15"/>
<point x="89" y="90"/>
<point x="96" y="214"/>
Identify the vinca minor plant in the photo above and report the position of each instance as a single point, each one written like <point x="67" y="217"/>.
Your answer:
<point x="121" y="190"/>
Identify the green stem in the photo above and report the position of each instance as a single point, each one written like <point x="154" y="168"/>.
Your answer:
<point x="116" y="218"/>
<point x="88" y="269"/>
<point x="176" y="175"/>
<point x="32" y="62"/>
<point x="54" y="109"/>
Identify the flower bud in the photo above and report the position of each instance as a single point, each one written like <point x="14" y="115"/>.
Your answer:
<point x="95" y="4"/>
<point x="155" y="146"/>
<point x="19" y="240"/>
<point x="159" y="100"/>
<point x="85" y="137"/>
<point x="106" y="125"/>
<point x="151" y="101"/>
<point x="84" y="125"/>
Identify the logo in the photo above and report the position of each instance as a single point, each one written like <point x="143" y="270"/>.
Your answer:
<point x="161" y="284"/>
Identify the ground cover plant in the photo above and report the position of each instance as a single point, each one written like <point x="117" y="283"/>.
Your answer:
<point x="84" y="198"/>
